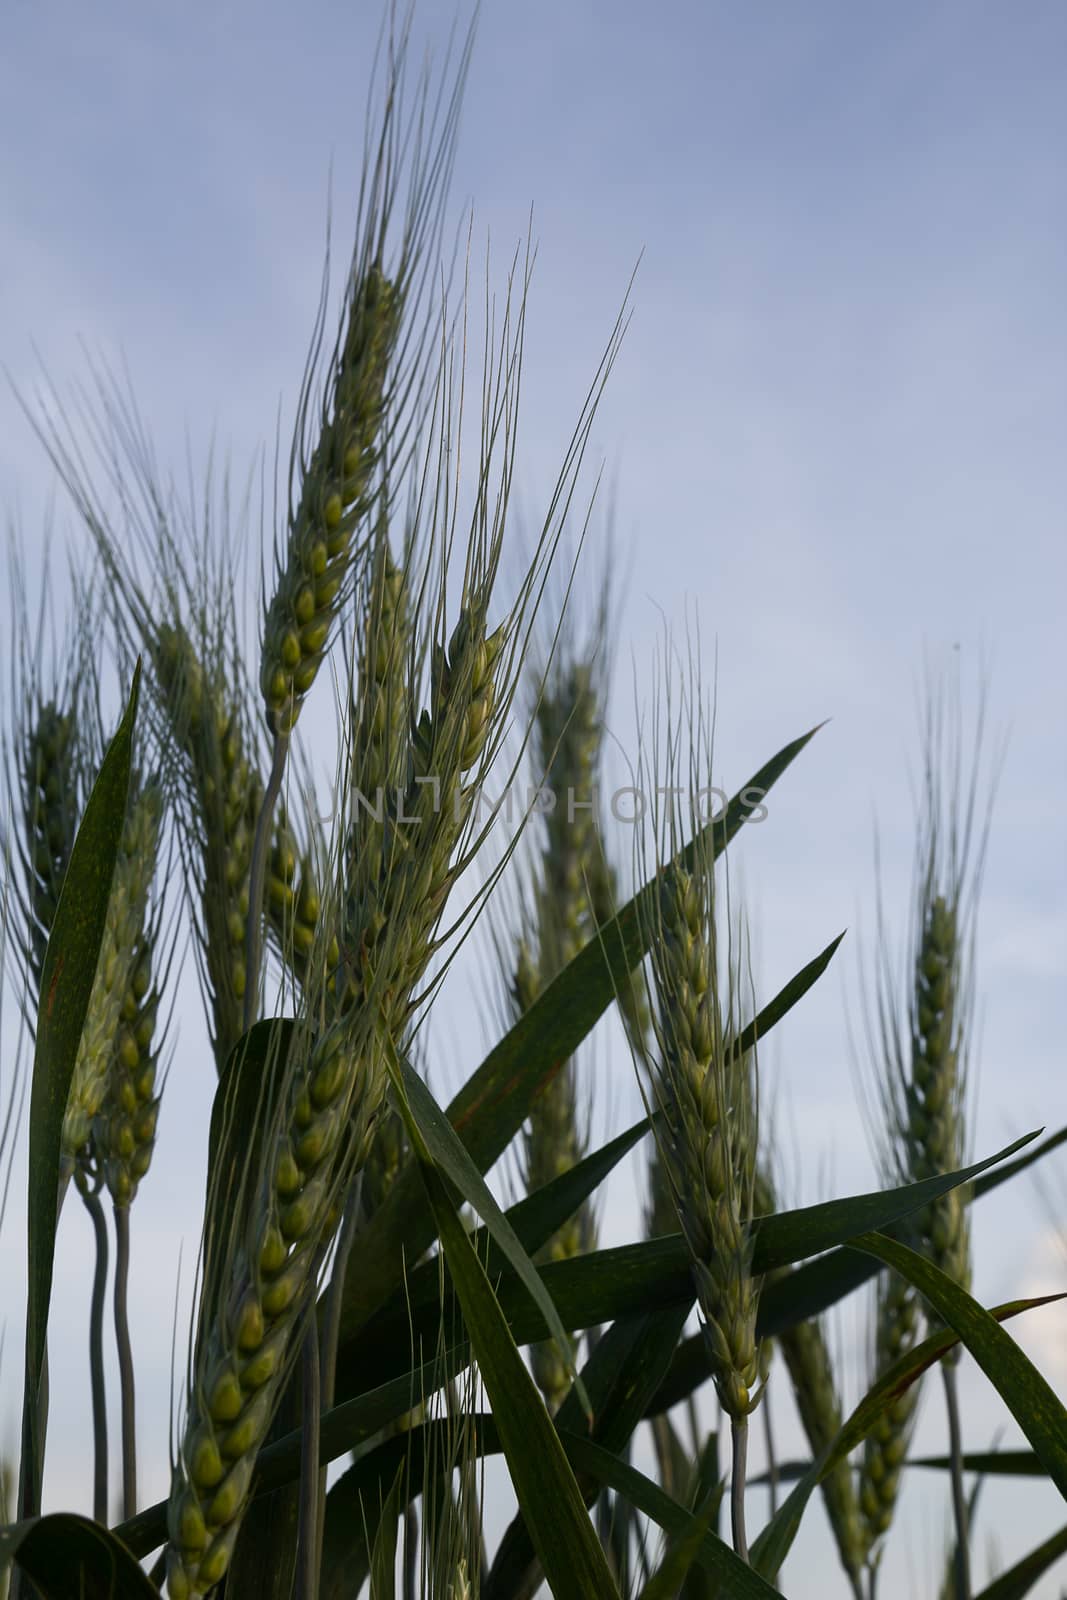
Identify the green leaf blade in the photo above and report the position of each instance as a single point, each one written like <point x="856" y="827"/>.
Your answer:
<point x="67" y="976"/>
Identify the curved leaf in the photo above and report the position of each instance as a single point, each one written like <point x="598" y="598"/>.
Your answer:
<point x="772" y="1546"/>
<point x="1032" y="1402"/>
<point x="451" y="1159"/>
<point x="66" y="984"/>
<point x="544" y="1482"/>
<point x="66" y="1555"/>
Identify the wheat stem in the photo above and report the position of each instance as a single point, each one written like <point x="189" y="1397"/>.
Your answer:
<point x="949" y="1372"/>
<point x="125" y="1354"/>
<point x="257" y="876"/>
<point x="97" y="1379"/>
<point x="739" y="1445"/>
<point x="772" y="1457"/>
<point x="306" y="1584"/>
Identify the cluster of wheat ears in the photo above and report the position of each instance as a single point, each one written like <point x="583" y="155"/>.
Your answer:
<point x="361" y="1298"/>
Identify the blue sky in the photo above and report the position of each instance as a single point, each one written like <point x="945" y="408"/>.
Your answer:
<point x="835" y="434"/>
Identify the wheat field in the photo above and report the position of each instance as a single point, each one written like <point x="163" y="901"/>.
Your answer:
<point x="450" y="1144"/>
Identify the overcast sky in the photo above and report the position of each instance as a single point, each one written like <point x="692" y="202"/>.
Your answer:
<point x="835" y="434"/>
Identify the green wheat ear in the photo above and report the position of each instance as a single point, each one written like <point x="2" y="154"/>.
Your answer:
<point x="127" y="905"/>
<point x="919" y="1047"/>
<point x="221" y="792"/>
<point x="336" y="494"/>
<point x="124" y="1133"/>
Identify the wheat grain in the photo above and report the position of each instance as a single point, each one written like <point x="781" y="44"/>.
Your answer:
<point x="294" y="903"/>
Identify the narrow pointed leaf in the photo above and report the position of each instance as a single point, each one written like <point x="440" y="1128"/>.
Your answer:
<point x="624" y="1368"/>
<point x="1031" y="1400"/>
<point x="1018" y="1581"/>
<point x="819" y="1285"/>
<point x="773" y="1543"/>
<point x="714" y="1556"/>
<point x="544" y="1482"/>
<point x="450" y="1158"/>
<point x="67" y="1556"/>
<point x="990" y="1463"/>
<point x="67" y="975"/>
<point x="792" y="1235"/>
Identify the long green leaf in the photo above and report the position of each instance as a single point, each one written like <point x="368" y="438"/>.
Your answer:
<point x="66" y="984"/>
<point x="819" y="1285"/>
<point x="493" y="1104"/>
<point x="667" y="1582"/>
<point x="1017" y="1582"/>
<point x="714" y="1556"/>
<point x="450" y="1158"/>
<point x="793" y="1235"/>
<point x="990" y="1463"/>
<point x="68" y="1557"/>
<point x="772" y="1546"/>
<point x="1031" y="1400"/>
<point x="543" y="1480"/>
